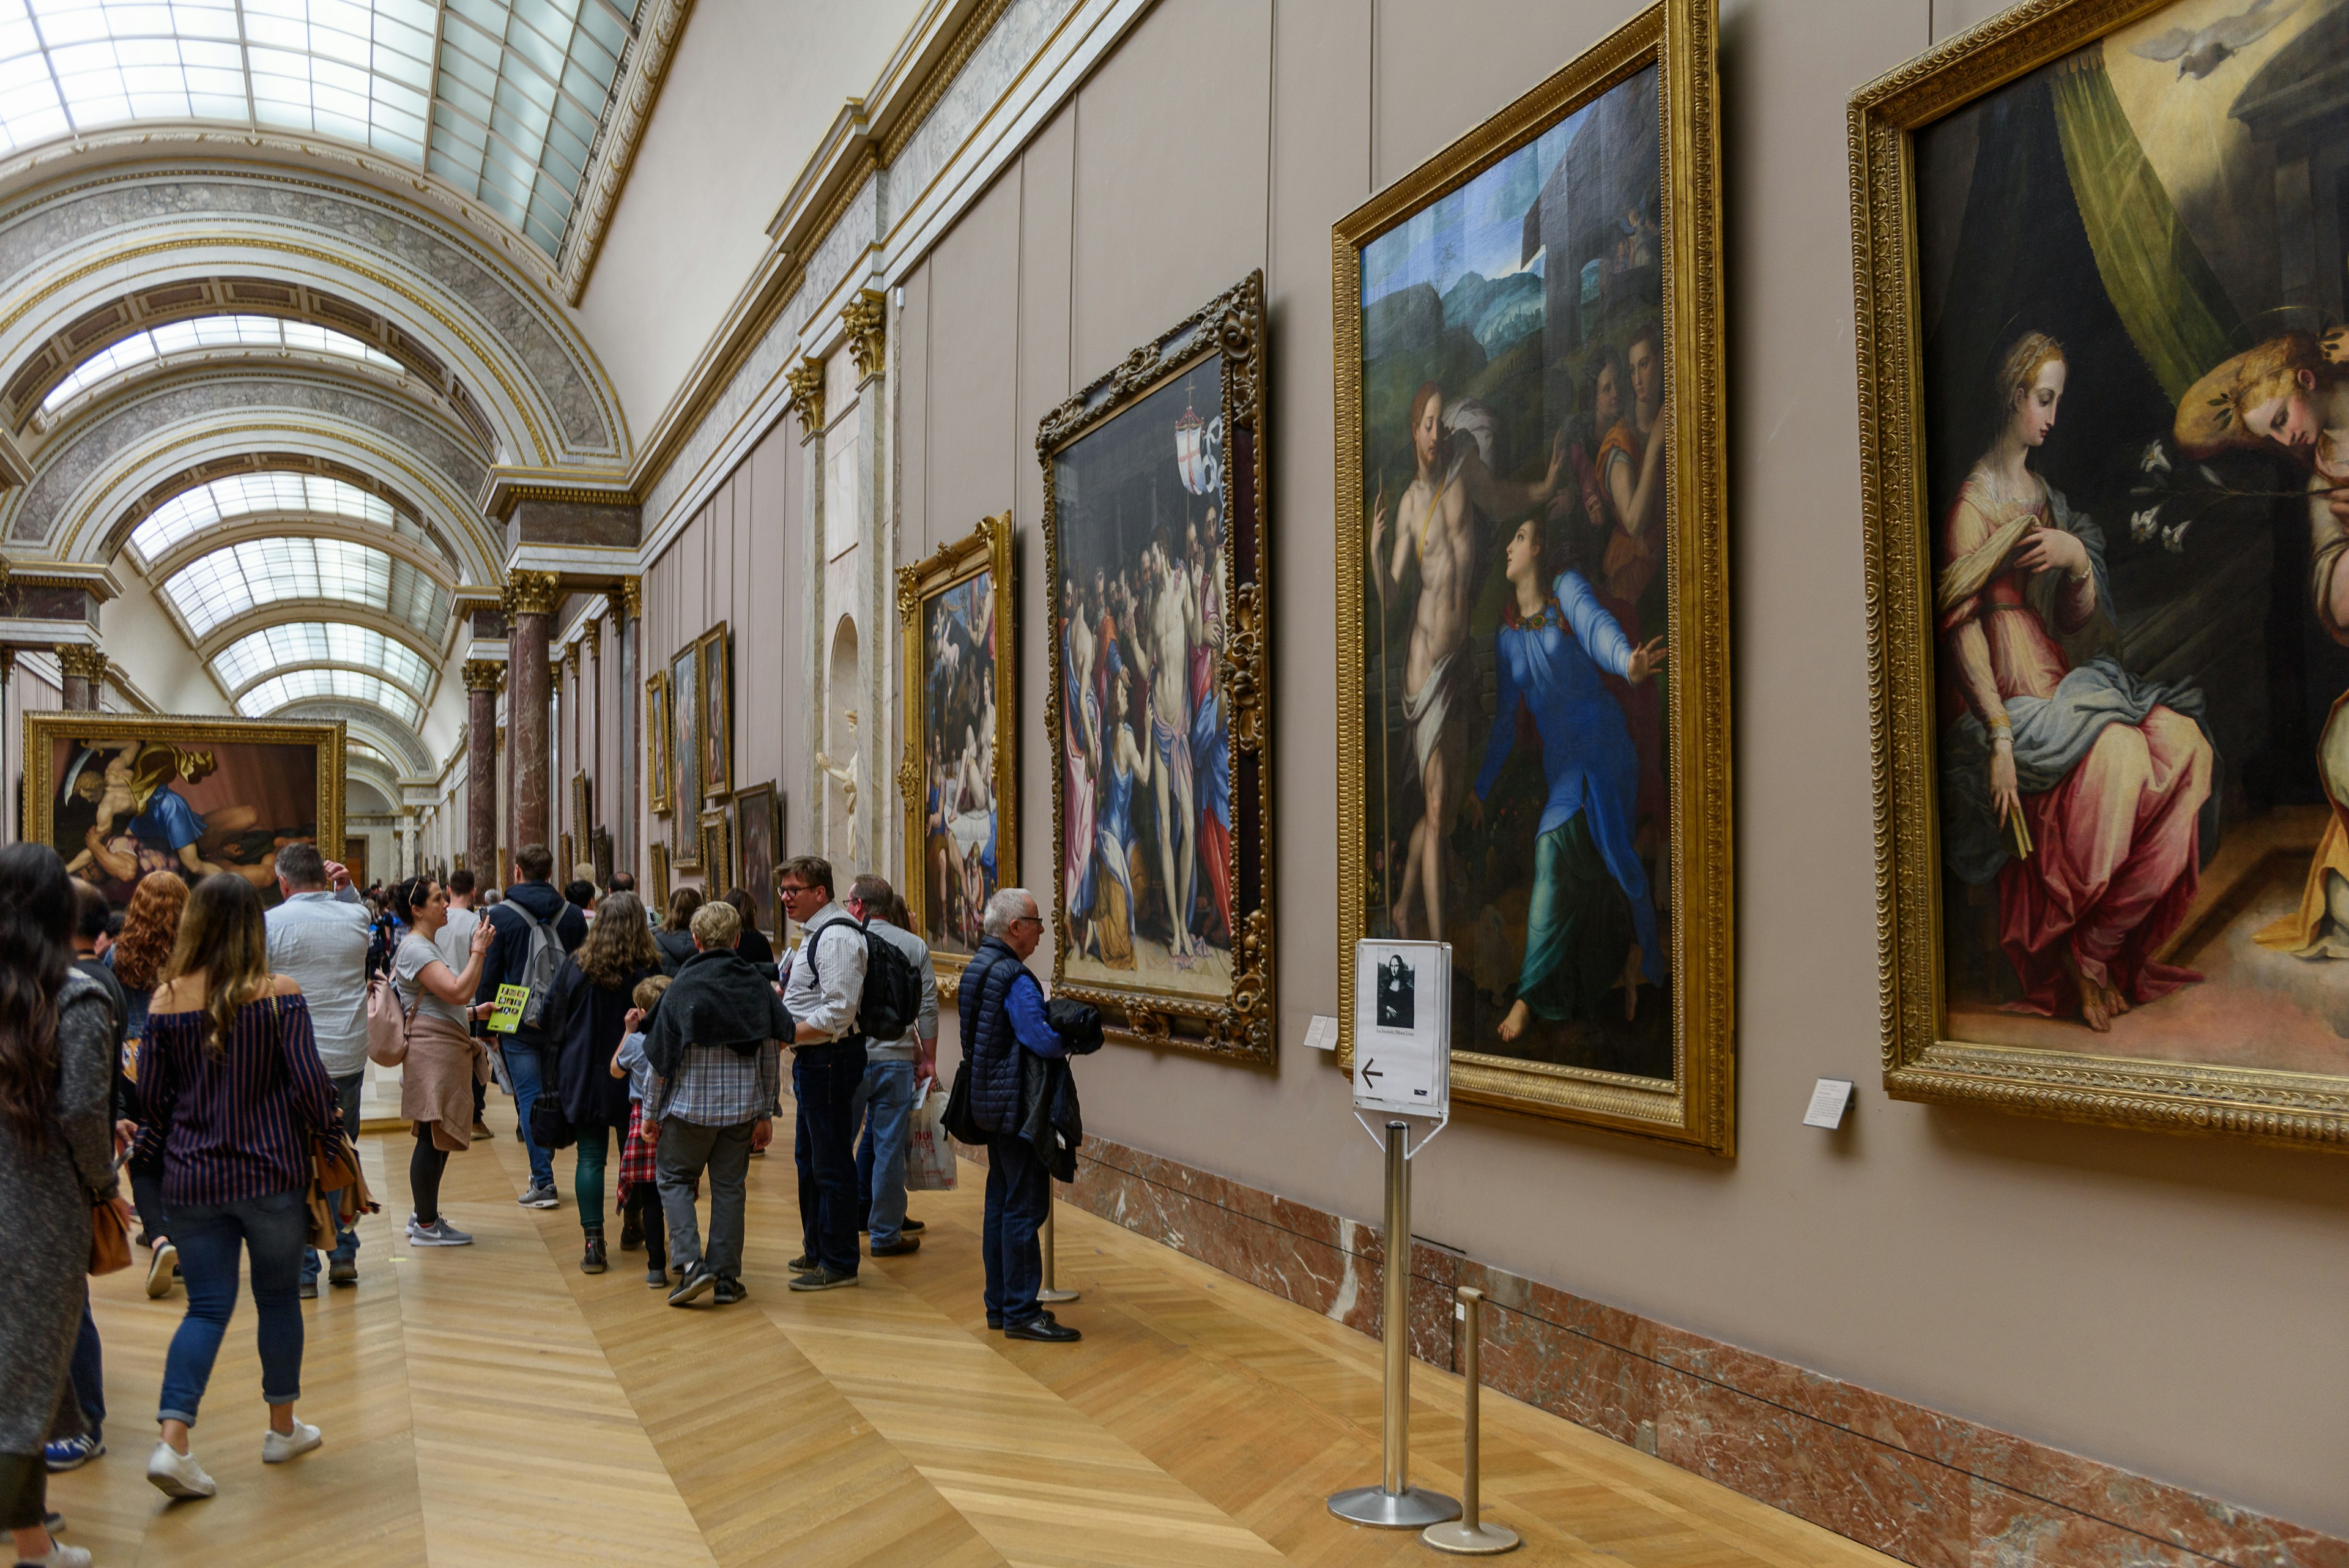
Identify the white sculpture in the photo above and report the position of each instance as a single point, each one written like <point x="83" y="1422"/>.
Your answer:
<point x="847" y="777"/>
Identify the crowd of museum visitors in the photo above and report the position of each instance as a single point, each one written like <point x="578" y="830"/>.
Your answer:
<point x="214" y="1051"/>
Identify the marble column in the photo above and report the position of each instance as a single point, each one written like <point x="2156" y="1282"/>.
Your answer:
<point x="530" y="601"/>
<point x="84" y="667"/>
<point x="483" y="677"/>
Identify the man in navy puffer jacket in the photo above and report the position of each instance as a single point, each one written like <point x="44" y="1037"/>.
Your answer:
<point x="1002" y="1009"/>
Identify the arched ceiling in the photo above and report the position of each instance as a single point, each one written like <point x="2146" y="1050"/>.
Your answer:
<point x="275" y="304"/>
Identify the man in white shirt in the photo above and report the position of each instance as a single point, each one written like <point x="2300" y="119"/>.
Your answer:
<point x="897" y="1074"/>
<point x="319" y="936"/>
<point x="823" y="986"/>
<point x="456" y="943"/>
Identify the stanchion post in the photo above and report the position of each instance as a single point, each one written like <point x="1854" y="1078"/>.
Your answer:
<point x="1395" y="1503"/>
<point x="1045" y="1241"/>
<point x="1469" y="1535"/>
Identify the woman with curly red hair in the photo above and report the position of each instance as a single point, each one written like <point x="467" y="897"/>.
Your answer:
<point x="150" y="930"/>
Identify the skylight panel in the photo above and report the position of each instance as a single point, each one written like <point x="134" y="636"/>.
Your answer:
<point x="250" y="494"/>
<point x="250" y="658"/>
<point x="351" y="685"/>
<point x="236" y="580"/>
<point x="209" y="332"/>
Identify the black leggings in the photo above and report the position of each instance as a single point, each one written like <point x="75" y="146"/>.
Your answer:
<point x="644" y="1204"/>
<point x="424" y="1169"/>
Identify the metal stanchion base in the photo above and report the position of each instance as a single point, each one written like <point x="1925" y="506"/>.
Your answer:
<point x="1481" y="1540"/>
<point x="1056" y="1296"/>
<point x="1412" y="1509"/>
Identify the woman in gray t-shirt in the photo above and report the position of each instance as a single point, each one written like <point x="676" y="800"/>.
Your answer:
<point x="435" y="1083"/>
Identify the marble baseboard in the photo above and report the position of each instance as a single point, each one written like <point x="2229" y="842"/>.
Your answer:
<point x="1928" y="1488"/>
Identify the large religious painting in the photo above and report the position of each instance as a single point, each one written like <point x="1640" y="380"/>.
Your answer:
<point x="686" y="720"/>
<point x="718" y="712"/>
<point x="1533" y="707"/>
<point x="1154" y="546"/>
<point x="756" y="812"/>
<point x="959" y="770"/>
<point x="2105" y="404"/>
<point x="120" y="795"/>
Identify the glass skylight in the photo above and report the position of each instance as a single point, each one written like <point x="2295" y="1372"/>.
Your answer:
<point x="207" y="332"/>
<point x="248" y="494"/>
<point x="352" y="685"/>
<point x="501" y="97"/>
<point x="214" y="589"/>
<point x="323" y="642"/>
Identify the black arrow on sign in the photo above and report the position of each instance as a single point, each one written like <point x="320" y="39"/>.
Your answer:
<point x="1371" y="1072"/>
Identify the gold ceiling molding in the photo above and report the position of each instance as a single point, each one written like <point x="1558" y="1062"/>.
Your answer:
<point x="509" y="487"/>
<point x="617" y="139"/>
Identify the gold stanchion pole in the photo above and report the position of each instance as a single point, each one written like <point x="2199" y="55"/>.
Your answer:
<point x="1469" y="1536"/>
<point x="1045" y="1243"/>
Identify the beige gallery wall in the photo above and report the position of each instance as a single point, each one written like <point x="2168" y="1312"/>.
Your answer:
<point x="2172" y="1305"/>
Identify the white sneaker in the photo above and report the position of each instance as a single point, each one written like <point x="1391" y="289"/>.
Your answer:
<point x="59" y="1555"/>
<point x="159" y="1271"/>
<point x="278" y="1447"/>
<point x="439" y="1234"/>
<point x="176" y="1474"/>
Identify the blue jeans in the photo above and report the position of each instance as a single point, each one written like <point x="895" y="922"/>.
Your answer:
<point x="347" y="1242"/>
<point x="824" y="1080"/>
<point x="273" y="1229"/>
<point x="523" y="1066"/>
<point x="1019" y="1191"/>
<point x="886" y="1096"/>
<point x="90" y="1372"/>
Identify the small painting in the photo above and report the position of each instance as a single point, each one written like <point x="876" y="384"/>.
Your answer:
<point x="686" y="719"/>
<point x="755" y="831"/>
<point x="718" y="714"/>
<point x="656" y="741"/>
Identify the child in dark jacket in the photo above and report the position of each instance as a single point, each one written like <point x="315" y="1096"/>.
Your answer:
<point x="640" y="1207"/>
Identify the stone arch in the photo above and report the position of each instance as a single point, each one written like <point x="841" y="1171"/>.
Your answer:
<point x="378" y="728"/>
<point x="843" y="734"/>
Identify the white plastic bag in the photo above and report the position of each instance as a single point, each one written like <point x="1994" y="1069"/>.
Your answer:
<point x="929" y="1158"/>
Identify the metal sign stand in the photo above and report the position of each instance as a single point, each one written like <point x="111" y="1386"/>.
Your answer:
<point x="1469" y="1535"/>
<point x="1045" y="1242"/>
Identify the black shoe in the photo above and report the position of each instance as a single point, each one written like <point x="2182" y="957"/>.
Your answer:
<point x="728" y="1292"/>
<point x="595" y="1260"/>
<point x="342" y="1271"/>
<point x="911" y="1228"/>
<point x="310" y="1290"/>
<point x="1043" y="1330"/>
<point x="696" y="1283"/>
<point x="897" y="1247"/>
<point x="805" y="1264"/>
<point x="632" y="1235"/>
<point x="821" y="1279"/>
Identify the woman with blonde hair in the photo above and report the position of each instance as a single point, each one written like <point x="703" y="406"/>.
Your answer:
<point x="2292" y="392"/>
<point x="588" y="1014"/>
<point x="150" y="930"/>
<point x="231" y="1089"/>
<point x="2077" y="789"/>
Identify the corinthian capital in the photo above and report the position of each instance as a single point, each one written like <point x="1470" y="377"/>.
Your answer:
<point x="865" y="316"/>
<point x="532" y="593"/>
<point x="806" y="382"/>
<point x="484" y="674"/>
<point x="81" y="660"/>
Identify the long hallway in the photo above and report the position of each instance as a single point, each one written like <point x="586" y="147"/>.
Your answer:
<point x="493" y="1405"/>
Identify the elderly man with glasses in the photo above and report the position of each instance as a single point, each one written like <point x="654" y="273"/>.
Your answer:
<point x="823" y="985"/>
<point x="1002" y="1017"/>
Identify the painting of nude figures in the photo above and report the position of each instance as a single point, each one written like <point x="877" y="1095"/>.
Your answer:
<point x="127" y="794"/>
<point x="1155" y="553"/>
<point x="2120" y="596"/>
<point x="960" y="773"/>
<point x="1524" y="571"/>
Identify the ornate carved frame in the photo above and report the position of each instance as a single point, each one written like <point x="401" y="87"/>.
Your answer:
<point x="685" y="851"/>
<point x="1242" y="1025"/>
<point x="329" y="739"/>
<point x="1697" y="1104"/>
<point x="987" y="548"/>
<point x="762" y="799"/>
<point x="658" y="856"/>
<point x="657" y="734"/>
<point x="717" y="852"/>
<point x="1920" y="1061"/>
<point x="717" y="664"/>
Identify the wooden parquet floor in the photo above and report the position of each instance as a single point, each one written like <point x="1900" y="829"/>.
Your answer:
<point x="491" y="1406"/>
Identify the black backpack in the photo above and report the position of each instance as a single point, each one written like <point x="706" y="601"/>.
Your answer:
<point x="893" y="992"/>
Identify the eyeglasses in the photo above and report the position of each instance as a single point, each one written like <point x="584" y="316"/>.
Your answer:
<point x="1028" y="921"/>
<point x="793" y="892"/>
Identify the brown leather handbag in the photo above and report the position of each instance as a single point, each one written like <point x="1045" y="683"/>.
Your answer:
<point x="109" y="1238"/>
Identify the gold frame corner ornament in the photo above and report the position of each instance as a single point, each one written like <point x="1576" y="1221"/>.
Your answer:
<point x="986" y="549"/>
<point x="1243" y="1025"/>
<point x="1697" y="1105"/>
<point x="1920" y="1061"/>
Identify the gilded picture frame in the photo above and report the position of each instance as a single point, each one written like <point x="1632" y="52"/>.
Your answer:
<point x="1684" y="1090"/>
<point x="686" y="791"/>
<point x="716" y="725"/>
<point x="582" y="824"/>
<point x="226" y="780"/>
<point x="1942" y="1042"/>
<point x="717" y="852"/>
<point x="1199" y="532"/>
<point x="658" y="781"/>
<point x="658" y="855"/>
<point x="757" y="811"/>
<point x="937" y="599"/>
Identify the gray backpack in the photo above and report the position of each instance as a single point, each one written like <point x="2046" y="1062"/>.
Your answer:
<point x="541" y="964"/>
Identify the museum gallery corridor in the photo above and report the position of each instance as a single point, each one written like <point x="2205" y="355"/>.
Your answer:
<point x="490" y="1406"/>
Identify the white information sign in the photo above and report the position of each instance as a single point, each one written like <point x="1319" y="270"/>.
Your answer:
<point x="1321" y="1034"/>
<point x="1403" y="1027"/>
<point x="1828" y="1102"/>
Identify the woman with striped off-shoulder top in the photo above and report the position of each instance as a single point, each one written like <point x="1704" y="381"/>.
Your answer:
<point x="231" y="1088"/>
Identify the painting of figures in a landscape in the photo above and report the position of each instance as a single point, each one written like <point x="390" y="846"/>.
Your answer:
<point x="2136" y="424"/>
<point x="962" y="819"/>
<point x="1515" y="609"/>
<point x="125" y="795"/>
<point x="1146" y="862"/>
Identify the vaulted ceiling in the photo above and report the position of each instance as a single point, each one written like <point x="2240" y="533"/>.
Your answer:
<point x="273" y="372"/>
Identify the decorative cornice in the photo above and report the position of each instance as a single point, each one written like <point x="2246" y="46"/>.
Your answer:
<point x="615" y="153"/>
<point x="81" y="660"/>
<point x="532" y="593"/>
<point x="629" y="600"/>
<point x="484" y="674"/>
<point x="866" y="318"/>
<point x="806" y="382"/>
<point x="507" y="488"/>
